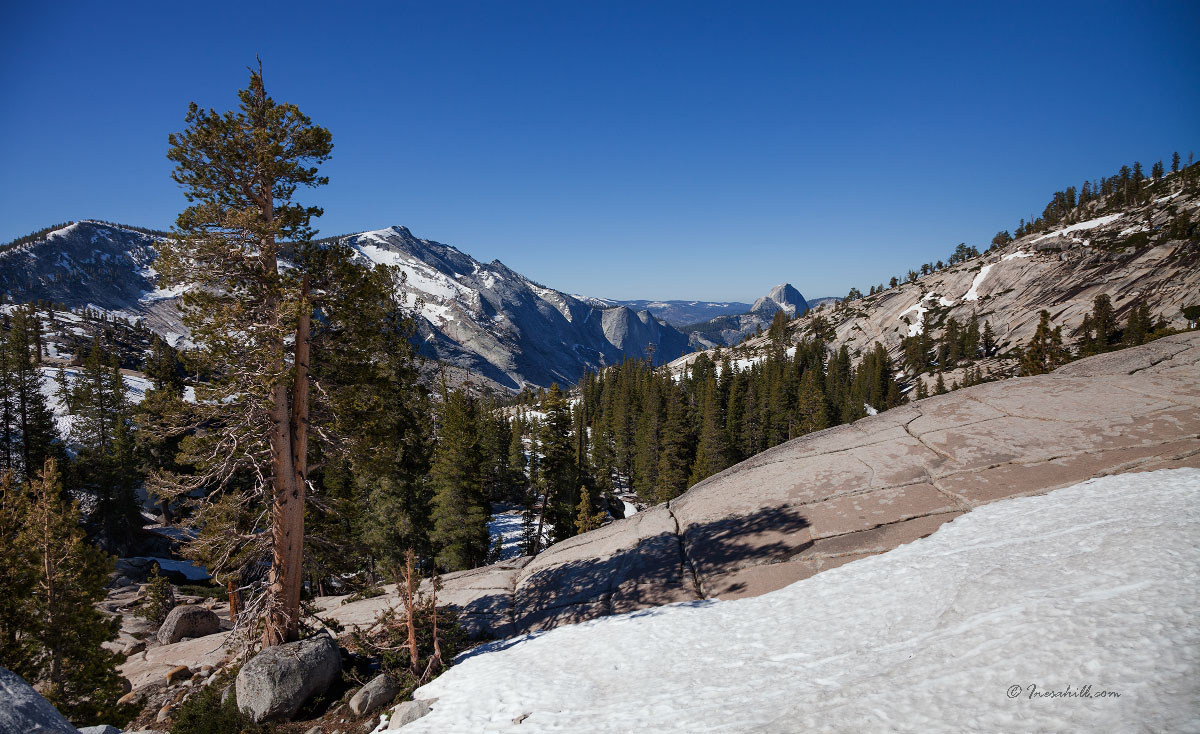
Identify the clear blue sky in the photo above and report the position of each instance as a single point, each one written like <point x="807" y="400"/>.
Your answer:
<point x="628" y="150"/>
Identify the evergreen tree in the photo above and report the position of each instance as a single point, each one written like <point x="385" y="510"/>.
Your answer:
<point x="811" y="414"/>
<point x="939" y="387"/>
<point x="988" y="339"/>
<point x="1045" y="350"/>
<point x="105" y="466"/>
<point x="557" y="471"/>
<point x="460" y="511"/>
<point x="32" y="429"/>
<point x="587" y="518"/>
<point x="1139" y="325"/>
<point x="54" y="638"/>
<point x="249" y="315"/>
<point x="675" y="457"/>
<point x="712" y="454"/>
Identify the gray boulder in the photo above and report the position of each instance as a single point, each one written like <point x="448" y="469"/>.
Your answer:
<point x="374" y="695"/>
<point x="277" y="681"/>
<point x="409" y="711"/>
<point x="100" y="729"/>
<point x="24" y="710"/>
<point x="188" y="620"/>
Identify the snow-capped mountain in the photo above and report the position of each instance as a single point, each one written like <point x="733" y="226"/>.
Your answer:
<point x="499" y="324"/>
<point x="485" y="318"/>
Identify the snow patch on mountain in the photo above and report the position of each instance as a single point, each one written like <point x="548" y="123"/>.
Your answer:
<point x="1089" y="224"/>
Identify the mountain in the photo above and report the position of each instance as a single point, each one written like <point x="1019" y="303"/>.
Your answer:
<point x="486" y="318"/>
<point x="728" y="330"/>
<point x="1146" y="252"/>
<point x="676" y="313"/>
<point x="784" y="298"/>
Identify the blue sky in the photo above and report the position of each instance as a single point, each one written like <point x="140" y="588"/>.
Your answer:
<point x="627" y="150"/>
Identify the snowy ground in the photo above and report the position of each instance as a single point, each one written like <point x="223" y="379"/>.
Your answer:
<point x="1022" y="615"/>
<point x="506" y="522"/>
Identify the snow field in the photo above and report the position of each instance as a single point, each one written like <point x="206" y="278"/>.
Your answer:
<point x="1087" y="588"/>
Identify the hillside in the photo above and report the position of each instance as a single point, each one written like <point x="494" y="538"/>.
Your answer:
<point x="1145" y="253"/>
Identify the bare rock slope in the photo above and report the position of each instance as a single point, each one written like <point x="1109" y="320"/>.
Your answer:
<point x="831" y="497"/>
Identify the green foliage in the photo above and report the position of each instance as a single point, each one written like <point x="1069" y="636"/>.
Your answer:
<point x="387" y="641"/>
<point x="460" y="510"/>
<point x="158" y="599"/>
<point x="1045" y="351"/>
<point x="27" y="431"/>
<point x="586" y="518"/>
<point x="204" y="713"/>
<point x="51" y="629"/>
<point x="106" y="466"/>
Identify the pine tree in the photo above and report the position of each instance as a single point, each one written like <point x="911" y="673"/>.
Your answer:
<point x="105" y="466"/>
<point x="251" y="317"/>
<point x="712" y="454"/>
<point x="1045" y="351"/>
<point x="939" y="387"/>
<point x="586" y="518"/>
<point x="811" y="414"/>
<point x="460" y="511"/>
<point x="675" y="456"/>
<point x="988" y="339"/>
<point x="32" y="422"/>
<point x="56" y="639"/>
<point x="1139" y="325"/>
<point x="557" y="469"/>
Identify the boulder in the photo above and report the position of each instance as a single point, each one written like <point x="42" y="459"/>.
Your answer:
<point x="409" y="711"/>
<point x="178" y="673"/>
<point x="101" y="729"/>
<point x="277" y="681"/>
<point x="374" y="695"/>
<point x="188" y="620"/>
<point x="24" y="710"/>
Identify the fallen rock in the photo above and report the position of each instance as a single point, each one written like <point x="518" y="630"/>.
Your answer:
<point x="374" y="695"/>
<point x="24" y="709"/>
<point x="177" y="674"/>
<point x="410" y="711"/>
<point x="188" y="621"/>
<point x="275" y="683"/>
<point x="164" y="713"/>
<point x="134" y="648"/>
<point x="101" y="729"/>
<point x="131" y="697"/>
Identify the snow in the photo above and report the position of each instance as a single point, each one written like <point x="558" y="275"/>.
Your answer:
<point x="192" y="572"/>
<point x="973" y="293"/>
<point x="506" y="523"/>
<point x="1011" y="255"/>
<point x="917" y="326"/>
<point x="870" y="410"/>
<point x="630" y="508"/>
<point x="1091" y="588"/>
<point x="1089" y="224"/>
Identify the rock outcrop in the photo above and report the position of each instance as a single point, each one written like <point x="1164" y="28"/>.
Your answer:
<point x="848" y="492"/>
<point x="188" y="620"/>
<point x="376" y="694"/>
<point x="24" y="711"/>
<point x="276" y="682"/>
